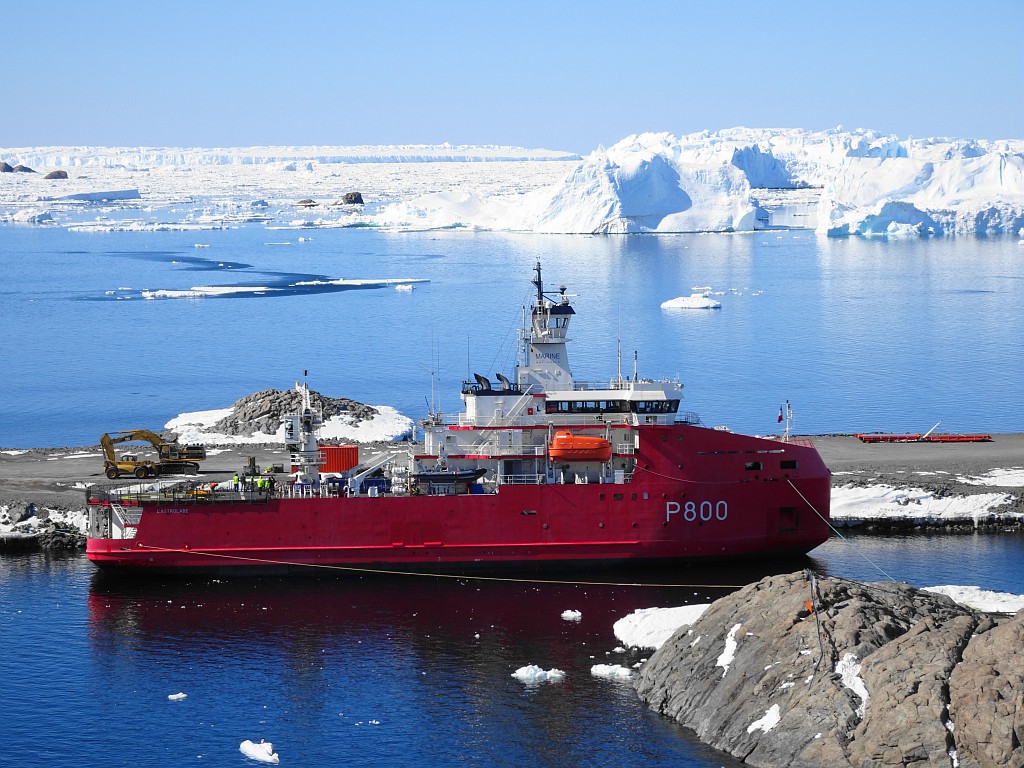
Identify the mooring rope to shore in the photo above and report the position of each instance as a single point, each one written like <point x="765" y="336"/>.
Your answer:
<point x="828" y="522"/>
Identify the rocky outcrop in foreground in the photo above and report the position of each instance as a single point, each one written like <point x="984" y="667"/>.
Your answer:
<point x="802" y="671"/>
<point x="263" y="411"/>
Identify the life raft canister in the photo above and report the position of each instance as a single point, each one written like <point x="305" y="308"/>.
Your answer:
<point x="565" y="446"/>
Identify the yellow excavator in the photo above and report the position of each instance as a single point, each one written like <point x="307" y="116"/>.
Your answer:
<point x="172" y="458"/>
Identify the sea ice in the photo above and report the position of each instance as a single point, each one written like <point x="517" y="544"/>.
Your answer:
<point x="616" y="671"/>
<point x="533" y="675"/>
<point x="693" y="301"/>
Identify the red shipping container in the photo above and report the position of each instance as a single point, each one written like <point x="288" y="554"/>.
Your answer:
<point x="338" y="458"/>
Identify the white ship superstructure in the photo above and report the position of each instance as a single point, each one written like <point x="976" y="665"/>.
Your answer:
<point x="512" y="426"/>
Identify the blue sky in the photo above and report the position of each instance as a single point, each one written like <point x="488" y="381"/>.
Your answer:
<point x="558" y="75"/>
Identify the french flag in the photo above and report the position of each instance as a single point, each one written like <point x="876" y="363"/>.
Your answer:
<point x="781" y="417"/>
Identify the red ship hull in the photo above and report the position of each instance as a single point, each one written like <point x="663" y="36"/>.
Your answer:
<point x="696" y="494"/>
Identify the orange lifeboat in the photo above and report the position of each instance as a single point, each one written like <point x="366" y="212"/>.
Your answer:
<point x="565" y="446"/>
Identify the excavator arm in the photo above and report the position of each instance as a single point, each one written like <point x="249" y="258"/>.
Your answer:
<point x="107" y="443"/>
<point x="172" y="457"/>
<point x="167" y="451"/>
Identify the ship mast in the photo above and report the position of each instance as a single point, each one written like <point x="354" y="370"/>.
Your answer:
<point x="545" y="363"/>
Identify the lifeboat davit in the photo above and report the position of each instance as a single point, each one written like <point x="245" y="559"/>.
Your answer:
<point x="565" y="446"/>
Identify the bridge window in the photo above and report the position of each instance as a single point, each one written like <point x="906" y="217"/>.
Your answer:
<point x="587" y="406"/>
<point x="655" y="406"/>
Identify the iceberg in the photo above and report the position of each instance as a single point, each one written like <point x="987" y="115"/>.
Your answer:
<point x="639" y="185"/>
<point x="908" y="195"/>
<point x="853" y="182"/>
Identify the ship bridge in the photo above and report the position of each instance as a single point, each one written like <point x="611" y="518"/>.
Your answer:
<point x="545" y="363"/>
<point x="631" y="401"/>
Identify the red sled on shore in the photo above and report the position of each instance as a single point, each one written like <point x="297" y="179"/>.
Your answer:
<point x="879" y="437"/>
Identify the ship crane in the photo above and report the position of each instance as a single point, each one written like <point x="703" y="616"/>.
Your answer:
<point x="300" y="438"/>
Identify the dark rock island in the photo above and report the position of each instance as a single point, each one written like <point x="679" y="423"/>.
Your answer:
<point x="797" y="670"/>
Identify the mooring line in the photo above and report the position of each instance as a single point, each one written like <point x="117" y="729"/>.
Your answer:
<point x="837" y="533"/>
<point x="357" y="569"/>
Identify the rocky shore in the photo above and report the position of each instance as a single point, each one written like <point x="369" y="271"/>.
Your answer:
<point x="797" y="670"/>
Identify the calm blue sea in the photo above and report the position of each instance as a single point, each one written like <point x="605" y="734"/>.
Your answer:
<point x="858" y="335"/>
<point x="361" y="671"/>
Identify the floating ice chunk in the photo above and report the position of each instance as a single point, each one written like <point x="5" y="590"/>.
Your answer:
<point x="571" y="615"/>
<point x="177" y="696"/>
<point x="611" y="670"/>
<point x="262" y="752"/>
<point x="770" y="720"/>
<point x="533" y="675"/>
<point x="693" y="301"/>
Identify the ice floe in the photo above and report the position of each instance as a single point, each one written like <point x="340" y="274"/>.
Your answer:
<point x="614" y="671"/>
<point x="262" y="752"/>
<point x="531" y="674"/>
<point x="693" y="301"/>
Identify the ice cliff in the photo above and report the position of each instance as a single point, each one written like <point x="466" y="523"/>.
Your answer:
<point x="865" y="182"/>
<point x="871" y="184"/>
<point x="638" y="185"/>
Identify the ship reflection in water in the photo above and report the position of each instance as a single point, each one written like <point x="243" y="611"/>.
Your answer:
<point x="390" y="668"/>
